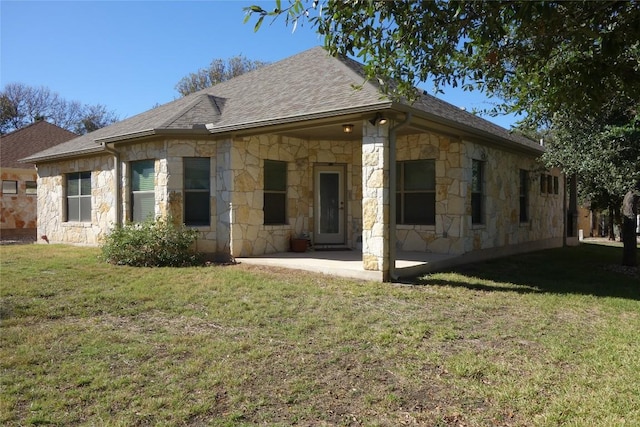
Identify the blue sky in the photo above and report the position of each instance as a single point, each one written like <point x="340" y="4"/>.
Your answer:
<point x="129" y="55"/>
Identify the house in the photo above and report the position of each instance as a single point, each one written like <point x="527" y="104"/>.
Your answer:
<point x="18" y="193"/>
<point x="292" y="149"/>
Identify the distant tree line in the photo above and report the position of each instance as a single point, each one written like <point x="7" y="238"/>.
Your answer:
<point x="218" y="71"/>
<point x="21" y="105"/>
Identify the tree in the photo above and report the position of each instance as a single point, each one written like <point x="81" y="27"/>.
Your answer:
<point x="94" y="117"/>
<point x="218" y="71"/>
<point x="22" y="104"/>
<point x="629" y="213"/>
<point x="539" y="57"/>
<point x="560" y="63"/>
<point x="604" y="151"/>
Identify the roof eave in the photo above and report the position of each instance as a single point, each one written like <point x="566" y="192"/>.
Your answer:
<point x="471" y="130"/>
<point x="240" y="127"/>
<point x="195" y="130"/>
<point x="60" y="156"/>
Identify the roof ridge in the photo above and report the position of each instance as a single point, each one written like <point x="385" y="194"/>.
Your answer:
<point x="37" y="122"/>
<point x="197" y="99"/>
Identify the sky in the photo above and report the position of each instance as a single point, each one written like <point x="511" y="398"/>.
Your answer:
<point x="129" y="55"/>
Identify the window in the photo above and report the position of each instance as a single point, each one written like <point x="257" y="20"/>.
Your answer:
<point x="275" y="192"/>
<point x="416" y="192"/>
<point x="524" y="196"/>
<point x="32" y="187"/>
<point x="197" y="191"/>
<point x="142" y="190"/>
<point x="477" y="192"/>
<point x="549" y="184"/>
<point x="9" y="187"/>
<point x="79" y="196"/>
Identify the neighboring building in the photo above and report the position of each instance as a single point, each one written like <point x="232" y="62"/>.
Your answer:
<point x="18" y="194"/>
<point x="293" y="149"/>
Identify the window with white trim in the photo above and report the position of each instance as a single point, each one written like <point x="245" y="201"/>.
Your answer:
<point x="416" y="192"/>
<point x="275" y="192"/>
<point x="197" y="188"/>
<point x="142" y="190"/>
<point x="79" y="197"/>
<point x="9" y="187"/>
<point x="31" y="187"/>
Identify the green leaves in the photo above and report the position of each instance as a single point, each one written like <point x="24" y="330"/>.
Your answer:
<point x="540" y="57"/>
<point x="573" y="65"/>
<point x="293" y="13"/>
<point x="158" y="243"/>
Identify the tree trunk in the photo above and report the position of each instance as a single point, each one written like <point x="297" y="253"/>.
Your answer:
<point x="611" y="221"/>
<point x="629" y="212"/>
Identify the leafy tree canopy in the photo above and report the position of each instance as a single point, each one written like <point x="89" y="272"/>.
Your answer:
<point x="604" y="151"/>
<point x="540" y="57"/>
<point x="218" y="71"/>
<point x="21" y="105"/>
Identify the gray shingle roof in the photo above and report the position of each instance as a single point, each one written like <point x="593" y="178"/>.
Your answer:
<point x="28" y="140"/>
<point x="311" y="84"/>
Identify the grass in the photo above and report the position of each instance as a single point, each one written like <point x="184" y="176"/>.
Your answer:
<point x="548" y="338"/>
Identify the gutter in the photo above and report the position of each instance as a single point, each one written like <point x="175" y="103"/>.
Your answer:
<point x="54" y="157"/>
<point x="463" y="128"/>
<point x="337" y="115"/>
<point x="118" y="172"/>
<point x="392" y="198"/>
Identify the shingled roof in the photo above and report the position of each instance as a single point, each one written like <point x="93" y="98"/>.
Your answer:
<point x="309" y="85"/>
<point x="28" y="140"/>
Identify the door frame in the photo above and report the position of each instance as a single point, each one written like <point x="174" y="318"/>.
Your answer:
<point x="339" y="238"/>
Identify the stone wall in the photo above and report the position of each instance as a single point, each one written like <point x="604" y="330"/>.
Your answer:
<point x="249" y="235"/>
<point x="502" y="225"/>
<point x="18" y="212"/>
<point x="453" y="232"/>
<point x="237" y="182"/>
<point x="156" y="150"/>
<point x="176" y="151"/>
<point x="447" y="235"/>
<point x="52" y="201"/>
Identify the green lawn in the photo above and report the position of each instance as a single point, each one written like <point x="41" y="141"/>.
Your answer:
<point x="548" y="338"/>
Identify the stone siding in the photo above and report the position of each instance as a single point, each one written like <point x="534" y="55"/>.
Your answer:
<point x="375" y="198"/>
<point x="247" y="155"/>
<point x="18" y="218"/>
<point x="176" y="151"/>
<point x="453" y="232"/>
<point x="237" y="181"/>
<point x="52" y="201"/>
<point x="502" y="226"/>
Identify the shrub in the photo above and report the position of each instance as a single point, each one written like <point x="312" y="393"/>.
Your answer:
<point x="153" y="243"/>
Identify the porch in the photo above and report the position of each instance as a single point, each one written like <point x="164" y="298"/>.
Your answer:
<point x="348" y="263"/>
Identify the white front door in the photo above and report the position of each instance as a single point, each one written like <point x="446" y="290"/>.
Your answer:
<point x="329" y="205"/>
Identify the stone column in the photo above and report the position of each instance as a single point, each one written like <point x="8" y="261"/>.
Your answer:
<point x="375" y="198"/>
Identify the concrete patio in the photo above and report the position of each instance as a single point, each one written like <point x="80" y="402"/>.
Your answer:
<point x="348" y="263"/>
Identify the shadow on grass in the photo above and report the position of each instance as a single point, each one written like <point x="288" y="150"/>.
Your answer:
<point x="588" y="269"/>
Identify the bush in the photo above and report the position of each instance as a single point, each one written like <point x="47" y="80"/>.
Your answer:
<point x="158" y="243"/>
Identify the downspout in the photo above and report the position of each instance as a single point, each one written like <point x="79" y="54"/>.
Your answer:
<point x="392" y="198"/>
<point x="117" y="171"/>
<point x="231" y="219"/>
